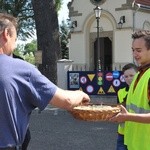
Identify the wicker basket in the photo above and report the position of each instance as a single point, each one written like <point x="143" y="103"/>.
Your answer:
<point x="95" y="112"/>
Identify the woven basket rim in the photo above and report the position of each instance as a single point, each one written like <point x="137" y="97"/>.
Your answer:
<point x="95" y="115"/>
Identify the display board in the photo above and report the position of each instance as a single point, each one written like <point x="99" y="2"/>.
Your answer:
<point x="96" y="82"/>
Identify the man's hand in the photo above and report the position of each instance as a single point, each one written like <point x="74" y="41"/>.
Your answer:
<point x="68" y="99"/>
<point x="120" y="117"/>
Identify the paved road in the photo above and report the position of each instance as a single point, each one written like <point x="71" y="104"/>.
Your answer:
<point x="56" y="129"/>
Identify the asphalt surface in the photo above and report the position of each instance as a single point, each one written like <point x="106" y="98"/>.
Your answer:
<point x="56" y="129"/>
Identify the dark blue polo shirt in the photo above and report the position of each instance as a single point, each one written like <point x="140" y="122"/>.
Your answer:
<point x="22" y="88"/>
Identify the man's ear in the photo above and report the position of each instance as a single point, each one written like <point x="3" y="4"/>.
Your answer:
<point x="6" y="34"/>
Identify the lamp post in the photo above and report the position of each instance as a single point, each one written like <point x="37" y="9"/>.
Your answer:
<point x="121" y="22"/>
<point x="97" y="11"/>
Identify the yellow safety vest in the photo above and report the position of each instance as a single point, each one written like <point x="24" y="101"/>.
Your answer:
<point x="121" y="95"/>
<point x="136" y="135"/>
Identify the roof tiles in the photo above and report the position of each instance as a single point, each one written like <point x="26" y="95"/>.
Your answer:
<point x="143" y="2"/>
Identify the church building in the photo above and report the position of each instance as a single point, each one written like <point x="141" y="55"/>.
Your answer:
<point x="101" y="32"/>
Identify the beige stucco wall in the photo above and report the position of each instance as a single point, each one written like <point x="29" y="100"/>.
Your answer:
<point x="122" y="46"/>
<point x="78" y="50"/>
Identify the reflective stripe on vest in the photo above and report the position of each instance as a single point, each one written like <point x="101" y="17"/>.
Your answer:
<point x="135" y="109"/>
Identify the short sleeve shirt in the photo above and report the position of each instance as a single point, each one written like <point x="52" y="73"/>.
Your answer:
<point x="22" y="88"/>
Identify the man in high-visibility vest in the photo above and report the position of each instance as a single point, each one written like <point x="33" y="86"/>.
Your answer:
<point x="136" y="115"/>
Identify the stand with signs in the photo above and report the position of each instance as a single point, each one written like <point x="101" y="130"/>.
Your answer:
<point x="96" y="82"/>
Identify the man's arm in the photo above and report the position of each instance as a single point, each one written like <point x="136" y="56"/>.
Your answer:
<point x="66" y="99"/>
<point x="124" y="115"/>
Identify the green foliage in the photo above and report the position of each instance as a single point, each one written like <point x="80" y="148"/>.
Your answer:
<point x="22" y="9"/>
<point x="64" y="36"/>
<point x="58" y="4"/>
<point x="30" y="47"/>
<point x="19" y="51"/>
<point x="29" y="57"/>
<point x="27" y="51"/>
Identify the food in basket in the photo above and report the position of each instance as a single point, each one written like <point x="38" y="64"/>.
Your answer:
<point x="95" y="112"/>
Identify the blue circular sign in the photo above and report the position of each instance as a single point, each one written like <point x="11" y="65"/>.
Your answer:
<point x="116" y="74"/>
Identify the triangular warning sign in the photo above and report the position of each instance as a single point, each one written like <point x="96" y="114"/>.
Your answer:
<point x="91" y="76"/>
<point x="101" y="91"/>
<point x="111" y="89"/>
<point x="80" y="89"/>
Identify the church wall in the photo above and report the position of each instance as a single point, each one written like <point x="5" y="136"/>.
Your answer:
<point x="122" y="44"/>
<point x="77" y="46"/>
<point x="140" y="18"/>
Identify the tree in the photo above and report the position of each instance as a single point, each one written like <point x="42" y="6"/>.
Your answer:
<point x="29" y="57"/>
<point x="47" y="29"/>
<point x="19" y="51"/>
<point x="46" y="21"/>
<point x="27" y="51"/>
<point x="23" y="10"/>
<point x="64" y="35"/>
<point x="30" y="47"/>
